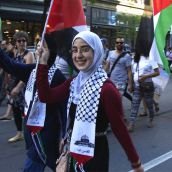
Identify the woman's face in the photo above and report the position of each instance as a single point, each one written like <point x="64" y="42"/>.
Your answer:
<point x="21" y="43"/>
<point x="82" y="54"/>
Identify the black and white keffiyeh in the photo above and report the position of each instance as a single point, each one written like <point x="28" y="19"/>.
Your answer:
<point x="85" y="93"/>
<point x="83" y="134"/>
<point x="37" y="111"/>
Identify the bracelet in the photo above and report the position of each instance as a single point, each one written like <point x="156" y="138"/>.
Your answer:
<point x="136" y="165"/>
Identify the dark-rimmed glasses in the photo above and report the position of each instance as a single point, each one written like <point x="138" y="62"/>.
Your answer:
<point x="119" y="42"/>
<point x="21" y="40"/>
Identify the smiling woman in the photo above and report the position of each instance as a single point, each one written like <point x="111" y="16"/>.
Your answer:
<point x="89" y="109"/>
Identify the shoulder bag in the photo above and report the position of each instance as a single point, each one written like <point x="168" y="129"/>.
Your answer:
<point x="145" y="86"/>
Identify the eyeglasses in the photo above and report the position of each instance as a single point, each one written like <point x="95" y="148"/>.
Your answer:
<point x="83" y="49"/>
<point x="21" y="40"/>
<point x="119" y="42"/>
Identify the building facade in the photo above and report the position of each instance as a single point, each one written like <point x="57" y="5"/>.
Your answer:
<point x="23" y="15"/>
<point x="112" y="18"/>
<point x="108" y="18"/>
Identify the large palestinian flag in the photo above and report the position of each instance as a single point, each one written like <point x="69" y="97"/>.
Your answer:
<point x="162" y="11"/>
<point x="65" y="19"/>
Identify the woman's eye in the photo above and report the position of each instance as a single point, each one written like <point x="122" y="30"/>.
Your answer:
<point x="74" y="50"/>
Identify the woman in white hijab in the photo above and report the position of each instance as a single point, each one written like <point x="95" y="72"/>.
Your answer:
<point x="89" y="109"/>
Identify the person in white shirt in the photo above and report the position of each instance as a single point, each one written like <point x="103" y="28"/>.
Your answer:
<point x="143" y="70"/>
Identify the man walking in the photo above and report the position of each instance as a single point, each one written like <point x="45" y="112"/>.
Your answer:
<point x="120" y="73"/>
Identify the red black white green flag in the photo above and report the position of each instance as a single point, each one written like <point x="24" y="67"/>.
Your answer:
<point x="65" y="19"/>
<point x="162" y="14"/>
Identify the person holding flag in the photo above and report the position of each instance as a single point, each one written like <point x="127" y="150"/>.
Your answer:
<point x="89" y="110"/>
<point x="49" y="133"/>
<point x="43" y="128"/>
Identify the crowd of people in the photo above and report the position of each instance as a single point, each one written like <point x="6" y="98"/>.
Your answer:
<point x="77" y="107"/>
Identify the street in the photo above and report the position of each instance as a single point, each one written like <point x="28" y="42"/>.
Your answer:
<point x="150" y="143"/>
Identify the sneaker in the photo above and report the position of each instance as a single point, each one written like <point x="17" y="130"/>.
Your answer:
<point x="150" y="124"/>
<point x="130" y="128"/>
<point x="16" y="138"/>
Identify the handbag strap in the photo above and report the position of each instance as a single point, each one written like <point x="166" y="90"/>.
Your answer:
<point x="107" y="54"/>
<point x="116" y="61"/>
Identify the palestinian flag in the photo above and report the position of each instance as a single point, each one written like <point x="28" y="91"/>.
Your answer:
<point x="66" y="18"/>
<point x="162" y="11"/>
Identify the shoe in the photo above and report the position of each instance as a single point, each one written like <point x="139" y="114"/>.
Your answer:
<point x="16" y="138"/>
<point x="130" y="128"/>
<point x="150" y="124"/>
<point x="143" y="114"/>
<point x="6" y="118"/>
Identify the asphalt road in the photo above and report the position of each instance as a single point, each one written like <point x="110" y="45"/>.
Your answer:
<point x="150" y="143"/>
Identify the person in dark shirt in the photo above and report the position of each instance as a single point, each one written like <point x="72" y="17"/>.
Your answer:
<point x="50" y="134"/>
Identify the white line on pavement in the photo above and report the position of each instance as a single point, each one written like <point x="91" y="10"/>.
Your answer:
<point x="147" y="166"/>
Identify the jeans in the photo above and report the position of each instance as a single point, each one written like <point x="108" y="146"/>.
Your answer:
<point x="33" y="166"/>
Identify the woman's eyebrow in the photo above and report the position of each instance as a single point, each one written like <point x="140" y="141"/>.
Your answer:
<point x="80" y="46"/>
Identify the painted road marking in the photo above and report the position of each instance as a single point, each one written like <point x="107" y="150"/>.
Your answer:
<point x="147" y="166"/>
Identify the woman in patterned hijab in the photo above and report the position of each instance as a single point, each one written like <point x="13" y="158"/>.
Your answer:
<point x="89" y="109"/>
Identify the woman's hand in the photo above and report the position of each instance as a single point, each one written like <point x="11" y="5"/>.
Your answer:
<point x="142" y="78"/>
<point x="139" y="169"/>
<point x="43" y="53"/>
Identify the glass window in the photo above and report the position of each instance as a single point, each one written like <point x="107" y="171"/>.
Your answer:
<point x="102" y="16"/>
<point x="10" y="27"/>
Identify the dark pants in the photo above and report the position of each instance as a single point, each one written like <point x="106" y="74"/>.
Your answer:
<point x="50" y="137"/>
<point x="18" y="117"/>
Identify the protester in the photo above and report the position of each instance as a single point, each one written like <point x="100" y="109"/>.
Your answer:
<point x="3" y="46"/>
<point x="16" y="87"/>
<point x="50" y="133"/>
<point x="143" y="71"/>
<point x="10" y="50"/>
<point x="89" y="109"/>
<point x="120" y="74"/>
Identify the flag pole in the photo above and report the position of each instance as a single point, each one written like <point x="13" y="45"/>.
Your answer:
<point x="45" y="26"/>
<point x="43" y="35"/>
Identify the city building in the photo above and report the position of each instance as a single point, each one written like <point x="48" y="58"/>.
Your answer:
<point x="108" y="18"/>
<point x="112" y="18"/>
<point x="24" y="15"/>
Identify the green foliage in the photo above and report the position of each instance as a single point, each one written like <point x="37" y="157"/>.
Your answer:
<point x="92" y="1"/>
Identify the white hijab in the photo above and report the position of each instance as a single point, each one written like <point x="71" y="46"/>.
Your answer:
<point x="95" y="43"/>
